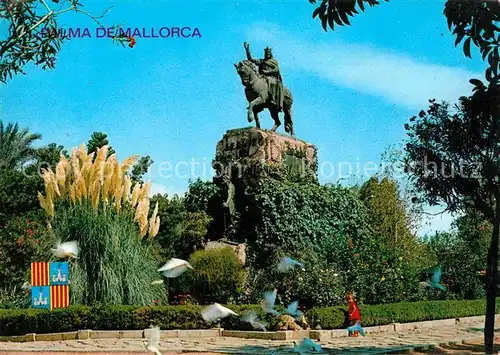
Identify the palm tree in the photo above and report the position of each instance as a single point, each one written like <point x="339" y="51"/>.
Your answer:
<point x="15" y="145"/>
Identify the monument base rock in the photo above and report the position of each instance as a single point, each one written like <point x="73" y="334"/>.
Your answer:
<point x="245" y="157"/>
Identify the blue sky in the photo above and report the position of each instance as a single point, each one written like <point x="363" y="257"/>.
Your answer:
<point x="173" y="98"/>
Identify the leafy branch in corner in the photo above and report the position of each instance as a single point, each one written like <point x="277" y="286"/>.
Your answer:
<point x="331" y="12"/>
<point x="34" y="35"/>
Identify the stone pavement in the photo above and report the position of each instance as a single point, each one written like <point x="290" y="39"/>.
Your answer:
<point x="380" y="343"/>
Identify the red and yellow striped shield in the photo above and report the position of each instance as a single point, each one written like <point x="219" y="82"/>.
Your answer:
<point x="59" y="296"/>
<point x="40" y="274"/>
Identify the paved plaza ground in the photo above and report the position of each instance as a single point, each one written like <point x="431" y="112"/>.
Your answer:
<point x="463" y="339"/>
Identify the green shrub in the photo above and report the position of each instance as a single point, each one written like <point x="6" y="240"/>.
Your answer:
<point x="404" y="312"/>
<point x="171" y="317"/>
<point x="218" y="276"/>
<point x="114" y="317"/>
<point x="303" y="219"/>
<point x="23" y="321"/>
<point x="327" y="318"/>
<point x="318" y="286"/>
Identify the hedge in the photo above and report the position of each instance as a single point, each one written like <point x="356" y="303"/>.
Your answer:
<point x="403" y="312"/>
<point x="23" y="321"/>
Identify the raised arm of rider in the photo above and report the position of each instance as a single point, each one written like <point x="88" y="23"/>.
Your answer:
<point x="249" y="57"/>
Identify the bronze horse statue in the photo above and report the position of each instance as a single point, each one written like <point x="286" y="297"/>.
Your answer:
<point x="259" y="98"/>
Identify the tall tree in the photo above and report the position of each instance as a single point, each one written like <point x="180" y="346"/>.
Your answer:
<point x="385" y="208"/>
<point x="140" y="168"/>
<point x="181" y="232"/>
<point x="16" y="145"/>
<point x="389" y="219"/>
<point x="18" y="193"/>
<point x="392" y="167"/>
<point x="99" y="140"/>
<point x="454" y="159"/>
<point x="199" y="195"/>
<point x="45" y="157"/>
<point x="19" y="188"/>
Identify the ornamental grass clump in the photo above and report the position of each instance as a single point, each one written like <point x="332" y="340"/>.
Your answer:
<point x="90" y="199"/>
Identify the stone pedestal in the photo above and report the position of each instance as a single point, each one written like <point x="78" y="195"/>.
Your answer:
<point x="247" y="145"/>
<point x="245" y="156"/>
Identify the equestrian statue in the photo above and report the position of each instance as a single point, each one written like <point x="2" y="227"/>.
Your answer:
<point x="264" y="89"/>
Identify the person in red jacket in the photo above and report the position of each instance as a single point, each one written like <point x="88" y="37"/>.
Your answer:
<point x="354" y="314"/>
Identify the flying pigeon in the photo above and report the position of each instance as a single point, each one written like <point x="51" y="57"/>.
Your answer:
<point x="268" y="302"/>
<point x="174" y="267"/>
<point x="254" y="321"/>
<point x="215" y="312"/>
<point x="287" y="264"/>
<point x="293" y="310"/>
<point x="356" y="328"/>
<point x="66" y="250"/>
<point x="306" y="345"/>
<point x="26" y="286"/>
<point x="153" y="340"/>
<point x="435" y="279"/>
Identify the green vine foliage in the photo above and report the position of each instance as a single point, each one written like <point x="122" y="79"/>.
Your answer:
<point x="326" y="227"/>
<point x="290" y="217"/>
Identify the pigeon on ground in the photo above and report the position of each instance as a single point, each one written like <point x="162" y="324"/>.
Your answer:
<point x="356" y="328"/>
<point x="174" y="267"/>
<point x="26" y="286"/>
<point x="287" y="263"/>
<point x="254" y="321"/>
<point x="268" y="302"/>
<point x="435" y="278"/>
<point x="153" y="340"/>
<point x="293" y="310"/>
<point x="306" y="345"/>
<point x="66" y="250"/>
<point x="215" y="312"/>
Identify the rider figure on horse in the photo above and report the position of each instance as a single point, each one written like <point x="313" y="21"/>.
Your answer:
<point x="269" y="68"/>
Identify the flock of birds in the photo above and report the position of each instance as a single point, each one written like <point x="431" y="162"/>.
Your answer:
<point x="215" y="312"/>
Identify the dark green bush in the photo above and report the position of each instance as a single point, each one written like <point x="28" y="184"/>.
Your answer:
<point x="170" y="317"/>
<point x="23" y="321"/>
<point x="113" y="318"/>
<point x="318" y="286"/>
<point x="327" y="318"/>
<point x="303" y="219"/>
<point x="218" y="276"/>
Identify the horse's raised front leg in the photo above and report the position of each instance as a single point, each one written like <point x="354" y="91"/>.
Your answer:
<point x="276" y="118"/>
<point x="251" y="107"/>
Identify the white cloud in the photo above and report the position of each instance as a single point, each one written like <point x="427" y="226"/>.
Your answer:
<point x="397" y="77"/>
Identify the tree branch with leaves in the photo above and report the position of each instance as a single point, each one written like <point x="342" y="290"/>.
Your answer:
<point x="28" y="40"/>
